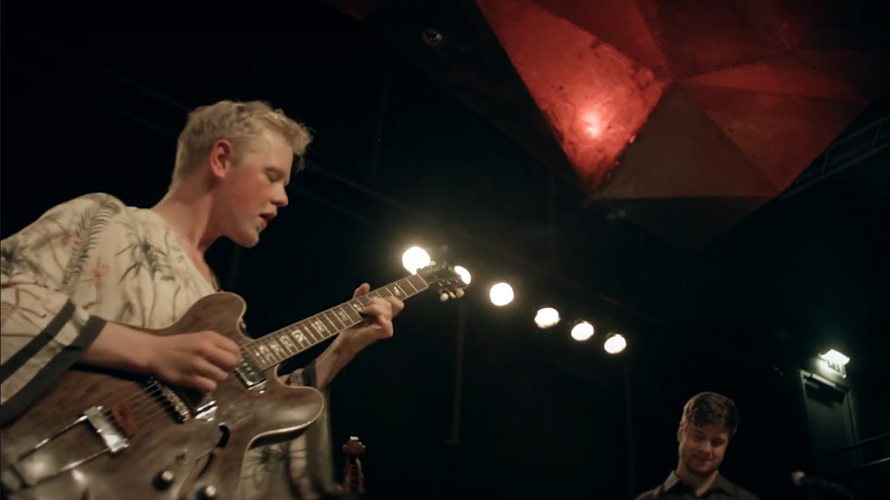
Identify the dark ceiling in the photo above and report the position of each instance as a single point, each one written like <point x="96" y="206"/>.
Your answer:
<point x="685" y="115"/>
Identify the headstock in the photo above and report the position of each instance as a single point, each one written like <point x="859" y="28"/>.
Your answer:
<point x="443" y="279"/>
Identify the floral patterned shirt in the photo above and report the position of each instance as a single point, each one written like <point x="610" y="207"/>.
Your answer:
<point x="91" y="260"/>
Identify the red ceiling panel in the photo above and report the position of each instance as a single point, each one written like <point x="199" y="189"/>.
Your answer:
<point x="681" y="152"/>
<point x="594" y="96"/>
<point x="654" y="101"/>
<point x="617" y="23"/>
<point x="779" y="132"/>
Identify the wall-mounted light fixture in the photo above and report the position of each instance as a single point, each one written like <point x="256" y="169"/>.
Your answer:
<point x="836" y="361"/>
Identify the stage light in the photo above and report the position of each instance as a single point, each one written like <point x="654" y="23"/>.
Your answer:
<point x="835" y="357"/>
<point x="547" y="317"/>
<point x="582" y="331"/>
<point x="501" y="294"/>
<point x="463" y="273"/>
<point x="415" y="258"/>
<point x="615" y="343"/>
<point x="836" y="362"/>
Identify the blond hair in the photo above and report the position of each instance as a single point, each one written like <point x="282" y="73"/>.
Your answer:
<point x="237" y="122"/>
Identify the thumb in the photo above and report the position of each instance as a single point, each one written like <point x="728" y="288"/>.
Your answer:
<point x="361" y="290"/>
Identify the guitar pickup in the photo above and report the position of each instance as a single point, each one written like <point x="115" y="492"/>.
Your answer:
<point x="249" y="373"/>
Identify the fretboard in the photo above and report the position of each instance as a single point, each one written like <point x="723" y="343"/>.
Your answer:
<point x="281" y="345"/>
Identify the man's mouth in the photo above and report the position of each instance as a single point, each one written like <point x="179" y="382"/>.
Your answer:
<point x="267" y="217"/>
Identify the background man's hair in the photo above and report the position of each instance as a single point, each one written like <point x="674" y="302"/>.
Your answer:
<point x="239" y="123"/>
<point x="710" y="408"/>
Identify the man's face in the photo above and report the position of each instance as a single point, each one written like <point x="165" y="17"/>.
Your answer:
<point x="702" y="448"/>
<point x="251" y="192"/>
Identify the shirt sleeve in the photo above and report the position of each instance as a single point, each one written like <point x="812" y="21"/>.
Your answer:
<point x="42" y="332"/>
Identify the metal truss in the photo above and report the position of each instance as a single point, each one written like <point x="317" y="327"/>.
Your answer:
<point x="843" y="154"/>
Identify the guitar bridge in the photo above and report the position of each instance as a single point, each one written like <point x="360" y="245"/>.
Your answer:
<point x="19" y="474"/>
<point x="111" y="436"/>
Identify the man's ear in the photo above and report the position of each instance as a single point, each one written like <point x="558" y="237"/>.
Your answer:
<point x="221" y="158"/>
<point x="680" y="432"/>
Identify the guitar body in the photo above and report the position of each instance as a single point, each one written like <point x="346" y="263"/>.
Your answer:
<point x="101" y="436"/>
<point x="166" y="457"/>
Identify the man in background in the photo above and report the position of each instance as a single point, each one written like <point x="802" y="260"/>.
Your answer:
<point x="709" y="421"/>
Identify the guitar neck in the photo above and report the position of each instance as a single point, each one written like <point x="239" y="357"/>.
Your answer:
<point x="285" y="343"/>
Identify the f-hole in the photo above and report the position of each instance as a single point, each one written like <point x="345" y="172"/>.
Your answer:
<point x="225" y="434"/>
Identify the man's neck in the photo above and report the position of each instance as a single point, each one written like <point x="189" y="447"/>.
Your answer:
<point x="187" y="209"/>
<point x="700" y="484"/>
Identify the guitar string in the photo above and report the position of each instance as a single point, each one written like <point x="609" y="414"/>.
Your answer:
<point x="252" y="347"/>
<point x="147" y="396"/>
<point x="278" y="355"/>
<point x="147" y="423"/>
<point x="142" y="397"/>
<point x="143" y="422"/>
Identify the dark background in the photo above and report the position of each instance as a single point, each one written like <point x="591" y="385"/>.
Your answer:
<point x="93" y="99"/>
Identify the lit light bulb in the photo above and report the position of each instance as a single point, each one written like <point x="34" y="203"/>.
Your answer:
<point x="547" y="317"/>
<point x="415" y="258"/>
<point x="615" y="343"/>
<point x="582" y="331"/>
<point x="501" y="294"/>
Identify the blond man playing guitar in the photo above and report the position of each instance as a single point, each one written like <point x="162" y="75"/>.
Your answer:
<point x="79" y="283"/>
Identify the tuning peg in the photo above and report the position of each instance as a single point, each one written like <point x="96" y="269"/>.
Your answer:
<point x="443" y="297"/>
<point x="460" y="292"/>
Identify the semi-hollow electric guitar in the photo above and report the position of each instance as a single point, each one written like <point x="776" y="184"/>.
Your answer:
<point x="101" y="435"/>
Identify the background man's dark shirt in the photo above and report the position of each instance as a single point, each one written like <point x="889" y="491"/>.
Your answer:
<point x="674" y="489"/>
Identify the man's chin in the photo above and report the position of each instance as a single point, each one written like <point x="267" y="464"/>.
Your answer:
<point x="704" y="470"/>
<point x="248" y="240"/>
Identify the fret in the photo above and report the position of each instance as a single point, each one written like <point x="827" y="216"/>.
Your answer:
<point x="417" y="282"/>
<point x="406" y="284"/>
<point x="319" y="327"/>
<point x="396" y="291"/>
<point x="309" y="332"/>
<point x="266" y="354"/>
<point x="330" y="325"/>
<point x="338" y="321"/>
<point x="288" y="345"/>
<point x="291" y="340"/>
<point x="298" y="336"/>
<point x="276" y="348"/>
<point x="343" y="315"/>
<point x="352" y="314"/>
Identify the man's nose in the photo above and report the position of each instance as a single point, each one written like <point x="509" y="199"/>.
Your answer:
<point x="280" y="199"/>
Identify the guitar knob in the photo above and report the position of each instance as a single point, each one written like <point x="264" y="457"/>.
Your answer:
<point x="460" y="292"/>
<point x="164" y="479"/>
<point x="208" y="492"/>
<point x="443" y="297"/>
